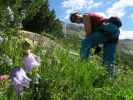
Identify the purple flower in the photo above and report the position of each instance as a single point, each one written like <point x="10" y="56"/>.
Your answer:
<point x="30" y="61"/>
<point x="19" y="80"/>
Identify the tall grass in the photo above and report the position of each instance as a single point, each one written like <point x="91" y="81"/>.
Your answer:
<point x="65" y="77"/>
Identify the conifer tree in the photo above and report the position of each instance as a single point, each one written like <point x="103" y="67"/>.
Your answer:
<point x="43" y="21"/>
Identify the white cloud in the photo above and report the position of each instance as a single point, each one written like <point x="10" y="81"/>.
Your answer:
<point x="78" y="5"/>
<point x="96" y="4"/>
<point x="102" y="14"/>
<point x="131" y="16"/>
<point x="118" y="8"/>
<point x="126" y="34"/>
<point x="75" y="4"/>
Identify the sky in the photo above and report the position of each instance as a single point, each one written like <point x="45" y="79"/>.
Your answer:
<point x="121" y="8"/>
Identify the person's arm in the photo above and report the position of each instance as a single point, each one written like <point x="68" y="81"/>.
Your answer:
<point x="87" y="24"/>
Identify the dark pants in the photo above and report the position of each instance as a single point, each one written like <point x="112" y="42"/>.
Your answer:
<point x="109" y="48"/>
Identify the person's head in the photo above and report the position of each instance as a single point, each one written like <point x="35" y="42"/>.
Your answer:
<point x="26" y="47"/>
<point x="76" y="17"/>
<point x="116" y="21"/>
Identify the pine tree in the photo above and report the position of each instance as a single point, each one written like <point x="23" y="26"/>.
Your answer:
<point x="43" y="21"/>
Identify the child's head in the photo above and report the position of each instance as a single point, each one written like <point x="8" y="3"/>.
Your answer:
<point x="26" y="46"/>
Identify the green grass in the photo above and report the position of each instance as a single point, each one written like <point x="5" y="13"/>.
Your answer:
<point x="65" y="77"/>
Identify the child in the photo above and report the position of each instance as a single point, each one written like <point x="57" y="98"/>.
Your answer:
<point x="30" y="60"/>
<point x="19" y="80"/>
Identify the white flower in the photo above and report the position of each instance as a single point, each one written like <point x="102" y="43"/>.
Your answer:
<point x="1" y="40"/>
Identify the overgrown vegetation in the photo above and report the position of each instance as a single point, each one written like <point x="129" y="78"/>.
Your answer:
<point x="63" y="75"/>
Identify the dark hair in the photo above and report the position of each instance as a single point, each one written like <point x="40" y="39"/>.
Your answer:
<point x="73" y="16"/>
<point x="26" y="45"/>
<point x="116" y="21"/>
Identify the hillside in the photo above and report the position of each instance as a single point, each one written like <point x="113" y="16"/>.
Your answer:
<point x="46" y="65"/>
<point x="70" y="28"/>
<point x="126" y="51"/>
<point x="127" y="43"/>
<point x="63" y="75"/>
